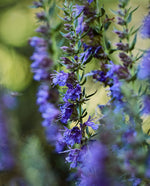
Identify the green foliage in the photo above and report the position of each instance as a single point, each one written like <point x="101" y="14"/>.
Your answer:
<point x="35" y="166"/>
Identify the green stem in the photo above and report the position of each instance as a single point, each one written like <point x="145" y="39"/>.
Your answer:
<point x="128" y="39"/>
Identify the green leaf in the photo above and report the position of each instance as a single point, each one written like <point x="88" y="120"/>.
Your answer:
<point x="83" y="91"/>
<point x="107" y="43"/>
<point x="88" y="59"/>
<point x="84" y="81"/>
<point x="60" y="7"/>
<point x="81" y="77"/>
<point x="76" y="23"/>
<point x="57" y="27"/>
<point x="78" y="15"/>
<point x="102" y="11"/>
<point x="131" y="29"/>
<point x="135" y="31"/>
<point x="90" y="95"/>
<point x="129" y="18"/>
<point x="52" y="9"/>
<point x="79" y="44"/>
<point x="124" y="3"/>
<point x="139" y="91"/>
<point x="61" y="18"/>
<point x="115" y="12"/>
<point x="144" y="92"/>
<point x="85" y="114"/>
<point x="63" y="34"/>
<point x="139" y="57"/>
<point x="112" y="51"/>
<point x="106" y="25"/>
<point x="85" y="34"/>
<point x="87" y="131"/>
<point x="94" y="135"/>
<point x="133" y="42"/>
<point x="32" y="6"/>
<point x="133" y="78"/>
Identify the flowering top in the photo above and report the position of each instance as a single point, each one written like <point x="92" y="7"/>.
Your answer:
<point x="145" y="31"/>
<point x="93" y="170"/>
<point x="72" y="136"/>
<point x="41" y="59"/>
<point x="60" y="78"/>
<point x="146" y="104"/>
<point x="90" y="1"/>
<point x="144" y="68"/>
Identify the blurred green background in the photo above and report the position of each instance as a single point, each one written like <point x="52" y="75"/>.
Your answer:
<point x="35" y="162"/>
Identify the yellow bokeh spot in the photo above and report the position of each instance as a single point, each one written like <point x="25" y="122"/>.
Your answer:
<point x="14" y="70"/>
<point x="16" y="26"/>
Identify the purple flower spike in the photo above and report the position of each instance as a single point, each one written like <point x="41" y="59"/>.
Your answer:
<point x="55" y="137"/>
<point x="144" y="68"/>
<point x="60" y="78"/>
<point x="91" y="124"/>
<point x="93" y="170"/>
<point x="37" y="41"/>
<point x="116" y="90"/>
<point x="80" y="27"/>
<point x="98" y="75"/>
<point x="73" y="157"/>
<point x="66" y="111"/>
<point x="42" y="94"/>
<point x="146" y="106"/>
<point x="145" y="31"/>
<point x="73" y="93"/>
<point x="72" y="136"/>
<point x="90" y="1"/>
<point x="40" y="74"/>
<point x="78" y="9"/>
<point x="49" y="113"/>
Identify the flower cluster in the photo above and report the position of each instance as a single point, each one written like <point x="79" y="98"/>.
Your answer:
<point x="114" y="140"/>
<point x="144" y="73"/>
<point x="94" y="172"/>
<point x="42" y="62"/>
<point x="42" y="68"/>
<point x="145" y="31"/>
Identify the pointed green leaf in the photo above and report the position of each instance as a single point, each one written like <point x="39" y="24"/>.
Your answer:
<point x="83" y="111"/>
<point x="85" y="34"/>
<point x="85" y="114"/>
<point x="52" y="9"/>
<point x="81" y="77"/>
<point x="61" y="18"/>
<point x="88" y="60"/>
<point x="60" y="7"/>
<point x="139" y="91"/>
<point x="135" y="31"/>
<point x="87" y="131"/>
<point x="84" y="81"/>
<point x="129" y="18"/>
<point x="106" y="25"/>
<point x="133" y="42"/>
<point x="91" y="94"/>
<point x="102" y="12"/>
<point x="113" y="11"/>
<point x="112" y="51"/>
<point x="83" y="91"/>
<point x="107" y="43"/>
<point x="63" y="34"/>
